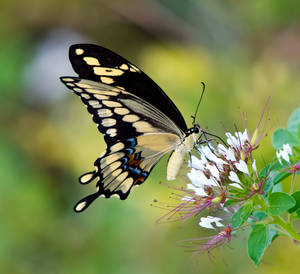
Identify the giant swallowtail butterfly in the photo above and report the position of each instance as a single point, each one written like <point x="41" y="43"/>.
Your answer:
<point x="139" y="122"/>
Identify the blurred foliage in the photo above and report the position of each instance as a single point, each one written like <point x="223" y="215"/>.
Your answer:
<point x="243" y="50"/>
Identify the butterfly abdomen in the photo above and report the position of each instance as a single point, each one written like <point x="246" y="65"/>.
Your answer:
<point x="177" y="157"/>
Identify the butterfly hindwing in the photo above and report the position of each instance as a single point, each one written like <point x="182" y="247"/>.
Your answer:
<point x="99" y="64"/>
<point x="122" y="167"/>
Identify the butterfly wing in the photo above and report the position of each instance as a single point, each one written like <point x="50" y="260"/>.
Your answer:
<point x="137" y="135"/>
<point x="99" y="64"/>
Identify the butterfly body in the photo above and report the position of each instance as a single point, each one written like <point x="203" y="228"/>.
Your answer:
<point x="177" y="156"/>
<point x="139" y="122"/>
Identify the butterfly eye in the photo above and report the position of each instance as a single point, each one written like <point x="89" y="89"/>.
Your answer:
<point x="196" y="129"/>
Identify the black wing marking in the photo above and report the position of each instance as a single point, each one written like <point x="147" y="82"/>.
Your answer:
<point x="99" y="64"/>
<point x="137" y="135"/>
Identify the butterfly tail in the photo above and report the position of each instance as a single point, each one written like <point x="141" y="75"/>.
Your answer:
<point x="84" y="203"/>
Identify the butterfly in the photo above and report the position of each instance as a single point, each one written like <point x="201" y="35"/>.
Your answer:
<point x="139" y="122"/>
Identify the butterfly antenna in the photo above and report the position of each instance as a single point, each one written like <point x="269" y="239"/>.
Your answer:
<point x="195" y="115"/>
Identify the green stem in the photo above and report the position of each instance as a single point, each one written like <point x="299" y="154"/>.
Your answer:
<point x="287" y="227"/>
<point x="292" y="183"/>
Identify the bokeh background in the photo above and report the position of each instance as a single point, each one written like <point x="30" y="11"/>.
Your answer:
<point x="244" y="51"/>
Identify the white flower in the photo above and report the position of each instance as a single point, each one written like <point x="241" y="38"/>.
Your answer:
<point x="197" y="163"/>
<point x="198" y="179"/>
<point x="242" y="166"/>
<point x="207" y="222"/>
<point x="233" y="177"/>
<point x="242" y="137"/>
<point x="228" y="153"/>
<point x="198" y="190"/>
<point x="210" y="155"/>
<point x="284" y="153"/>
<point x="214" y="171"/>
<point x="238" y="140"/>
<point x="231" y="140"/>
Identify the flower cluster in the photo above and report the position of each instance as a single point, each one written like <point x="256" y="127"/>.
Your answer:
<point x="230" y="193"/>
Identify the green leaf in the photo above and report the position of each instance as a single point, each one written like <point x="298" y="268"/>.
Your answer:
<point x="298" y="213"/>
<point x="257" y="242"/>
<point x="282" y="136"/>
<point x="294" y="121"/>
<point x="280" y="177"/>
<point x="231" y="202"/>
<point x="279" y="202"/>
<point x="259" y="215"/>
<point x="240" y="216"/>
<point x="272" y="167"/>
<point x="296" y="196"/>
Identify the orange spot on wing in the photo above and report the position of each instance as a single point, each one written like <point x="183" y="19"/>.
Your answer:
<point x="134" y="162"/>
<point x="139" y="180"/>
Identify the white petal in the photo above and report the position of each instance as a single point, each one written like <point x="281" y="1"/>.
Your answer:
<point x="233" y="177"/>
<point x="214" y="171"/>
<point x="231" y="140"/>
<point x="198" y="179"/>
<point x="242" y="166"/>
<point x="206" y="222"/>
<point x="242" y="137"/>
<point x="236" y="185"/>
<point x="198" y="190"/>
<point x="212" y="182"/>
<point x="196" y="163"/>
<point x="211" y="156"/>
<point x="287" y="149"/>
<point x="228" y="153"/>
<point x="285" y="155"/>
<point x="222" y="149"/>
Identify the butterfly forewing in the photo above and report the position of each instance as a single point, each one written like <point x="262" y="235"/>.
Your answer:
<point x="137" y="135"/>
<point x="99" y="64"/>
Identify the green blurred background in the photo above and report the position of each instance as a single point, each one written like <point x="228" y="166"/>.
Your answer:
<point x="243" y="50"/>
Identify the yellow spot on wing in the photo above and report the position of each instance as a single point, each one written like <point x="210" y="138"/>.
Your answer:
<point x="131" y="118"/>
<point x="104" y="112"/>
<point x="112" y="132"/>
<point x="111" y="158"/>
<point x="68" y="79"/>
<point x="101" y="97"/>
<point x="80" y="206"/>
<point x="124" y="66"/>
<point x="79" y="51"/>
<point x="121" y="111"/>
<point x="108" y="122"/>
<point x="86" y="178"/>
<point x="92" y="61"/>
<point x="108" y="71"/>
<point x="104" y="92"/>
<point x="117" y="147"/>
<point x="111" y="104"/>
<point x="107" y="80"/>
